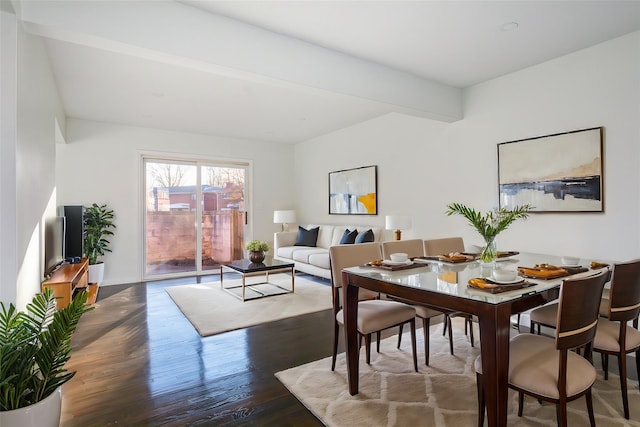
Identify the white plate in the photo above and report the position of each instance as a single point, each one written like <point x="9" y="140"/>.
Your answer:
<point x="389" y="262"/>
<point x="570" y="265"/>
<point x="507" y="282"/>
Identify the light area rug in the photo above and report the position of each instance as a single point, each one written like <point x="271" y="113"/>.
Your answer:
<point x="443" y="394"/>
<point x="212" y="310"/>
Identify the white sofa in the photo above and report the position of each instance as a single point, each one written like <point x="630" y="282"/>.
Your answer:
<point x="315" y="260"/>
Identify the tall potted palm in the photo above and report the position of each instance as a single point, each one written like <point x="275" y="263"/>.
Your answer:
<point x="98" y="222"/>
<point x="35" y="345"/>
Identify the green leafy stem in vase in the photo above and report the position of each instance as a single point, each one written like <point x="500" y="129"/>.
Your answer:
<point x="489" y="224"/>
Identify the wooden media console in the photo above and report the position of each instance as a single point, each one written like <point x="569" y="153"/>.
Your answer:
<point x="69" y="277"/>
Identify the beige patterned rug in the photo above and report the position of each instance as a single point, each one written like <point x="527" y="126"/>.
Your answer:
<point x="443" y="394"/>
<point x="212" y="310"/>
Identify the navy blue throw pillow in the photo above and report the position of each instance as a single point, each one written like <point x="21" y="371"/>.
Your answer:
<point x="349" y="237"/>
<point x="365" y="237"/>
<point x="307" y="237"/>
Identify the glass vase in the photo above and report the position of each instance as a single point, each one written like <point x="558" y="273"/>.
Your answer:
<point x="488" y="254"/>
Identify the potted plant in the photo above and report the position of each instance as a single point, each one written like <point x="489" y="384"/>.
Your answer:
<point x="35" y="345"/>
<point x="489" y="224"/>
<point x="98" y="222"/>
<point x="257" y="250"/>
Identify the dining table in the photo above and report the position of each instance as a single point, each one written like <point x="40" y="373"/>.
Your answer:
<point x="440" y="284"/>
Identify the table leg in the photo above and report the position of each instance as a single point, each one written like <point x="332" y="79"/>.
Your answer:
<point x="494" y="337"/>
<point x="221" y="287"/>
<point x="243" y="287"/>
<point x="350" y="311"/>
<point x="292" y="279"/>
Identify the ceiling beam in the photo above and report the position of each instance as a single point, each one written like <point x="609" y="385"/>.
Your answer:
<point x="185" y="36"/>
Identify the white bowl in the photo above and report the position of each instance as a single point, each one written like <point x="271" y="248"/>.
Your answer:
<point x="570" y="260"/>
<point x="502" y="275"/>
<point x="399" y="257"/>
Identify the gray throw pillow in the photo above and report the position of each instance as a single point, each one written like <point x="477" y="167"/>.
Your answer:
<point x="365" y="237"/>
<point x="307" y="237"/>
<point x="349" y="237"/>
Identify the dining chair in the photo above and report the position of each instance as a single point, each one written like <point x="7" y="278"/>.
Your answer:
<point x="374" y="314"/>
<point x="446" y="245"/>
<point x="544" y="367"/>
<point x="614" y="336"/>
<point x="547" y="315"/>
<point x="414" y="248"/>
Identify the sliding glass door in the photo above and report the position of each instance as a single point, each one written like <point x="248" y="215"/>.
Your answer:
<point x="195" y="215"/>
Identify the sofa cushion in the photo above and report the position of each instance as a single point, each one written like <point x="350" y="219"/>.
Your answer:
<point x="348" y="237"/>
<point x="303" y="254"/>
<point x="320" y="260"/>
<point x="365" y="237"/>
<point x="307" y="237"/>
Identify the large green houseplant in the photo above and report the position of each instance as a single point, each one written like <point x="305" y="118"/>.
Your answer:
<point x="35" y="345"/>
<point x="98" y="223"/>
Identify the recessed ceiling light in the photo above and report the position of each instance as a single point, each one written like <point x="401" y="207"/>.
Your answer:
<point x="509" y="26"/>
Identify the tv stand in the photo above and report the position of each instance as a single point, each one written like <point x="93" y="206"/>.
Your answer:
<point x="69" y="277"/>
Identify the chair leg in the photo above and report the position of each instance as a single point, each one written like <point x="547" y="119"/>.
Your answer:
<point x="622" y="369"/>
<point x="592" y="419"/>
<point x="481" y="402"/>
<point x="561" y="413"/>
<point x="638" y="366"/>
<point x="336" y="331"/>
<point x="378" y="339"/>
<point x="450" y="326"/>
<point x="413" y="344"/>
<point x="425" y="330"/>
<point x="605" y="365"/>
<point x="399" y="336"/>
<point x="520" y="403"/>
<point x="518" y="324"/>
<point x="367" y="344"/>
<point x="470" y="319"/>
<point x="447" y="319"/>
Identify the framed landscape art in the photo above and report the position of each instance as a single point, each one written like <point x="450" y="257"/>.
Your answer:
<point x="354" y="191"/>
<point x="553" y="173"/>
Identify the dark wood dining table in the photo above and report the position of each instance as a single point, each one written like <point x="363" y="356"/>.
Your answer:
<point x="445" y="285"/>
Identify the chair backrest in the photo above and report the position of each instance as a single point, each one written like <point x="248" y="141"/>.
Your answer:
<point x="343" y="256"/>
<point x="411" y="247"/>
<point x="578" y="310"/>
<point x="624" y="296"/>
<point x="443" y="246"/>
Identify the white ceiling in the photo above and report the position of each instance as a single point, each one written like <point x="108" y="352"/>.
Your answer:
<point x="122" y="62"/>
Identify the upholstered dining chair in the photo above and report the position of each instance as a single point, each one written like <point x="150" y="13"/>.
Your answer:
<point x="544" y="367"/>
<point x="547" y="315"/>
<point x="446" y="245"/>
<point x="374" y="314"/>
<point x="614" y="336"/>
<point x="414" y="248"/>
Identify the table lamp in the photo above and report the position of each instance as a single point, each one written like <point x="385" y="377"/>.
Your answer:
<point x="397" y="223"/>
<point x="285" y="218"/>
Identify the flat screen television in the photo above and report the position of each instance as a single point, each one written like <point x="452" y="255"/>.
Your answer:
<point x="54" y="243"/>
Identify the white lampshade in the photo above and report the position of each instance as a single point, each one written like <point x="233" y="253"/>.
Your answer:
<point x="397" y="222"/>
<point x="284" y="217"/>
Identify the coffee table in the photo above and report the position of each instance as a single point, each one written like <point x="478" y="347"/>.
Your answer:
<point x="246" y="268"/>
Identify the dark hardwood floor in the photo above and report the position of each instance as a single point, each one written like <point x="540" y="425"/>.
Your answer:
<point x="139" y="362"/>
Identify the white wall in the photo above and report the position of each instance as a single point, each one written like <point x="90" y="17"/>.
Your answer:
<point x="424" y="165"/>
<point x="101" y="163"/>
<point x="29" y="165"/>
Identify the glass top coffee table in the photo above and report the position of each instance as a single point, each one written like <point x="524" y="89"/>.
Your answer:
<point x="248" y="291"/>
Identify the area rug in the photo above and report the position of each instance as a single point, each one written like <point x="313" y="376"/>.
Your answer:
<point x="212" y="310"/>
<point x="443" y="394"/>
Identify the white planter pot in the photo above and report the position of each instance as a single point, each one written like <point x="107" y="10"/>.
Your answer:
<point x="96" y="273"/>
<point x="42" y="414"/>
